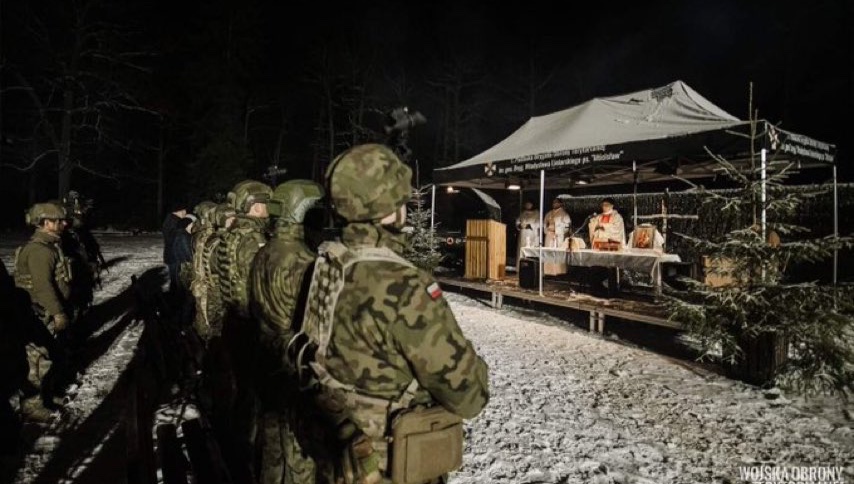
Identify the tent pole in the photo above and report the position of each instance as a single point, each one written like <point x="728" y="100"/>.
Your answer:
<point x="542" y="238"/>
<point x="519" y="229"/>
<point x="763" y="153"/>
<point x="635" y="195"/>
<point x="433" y="209"/>
<point x="835" y="226"/>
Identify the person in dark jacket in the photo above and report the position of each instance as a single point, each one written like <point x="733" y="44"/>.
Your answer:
<point x="182" y="253"/>
<point x="170" y="230"/>
<point x="13" y="362"/>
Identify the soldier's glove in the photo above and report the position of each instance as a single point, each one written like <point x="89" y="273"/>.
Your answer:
<point x="60" y="321"/>
<point x="361" y="463"/>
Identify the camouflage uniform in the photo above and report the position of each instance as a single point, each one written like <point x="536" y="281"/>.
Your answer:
<point x="393" y="342"/>
<point x="83" y="250"/>
<point x="204" y="228"/>
<point x="239" y="332"/>
<point x="85" y="275"/>
<point x="218" y="387"/>
<point x="42" y="269"/>
<point x="276" y="279"/>
<point x="205" y="225"/>
<point x="206" y="275"/>
<point x="16" y="328"/>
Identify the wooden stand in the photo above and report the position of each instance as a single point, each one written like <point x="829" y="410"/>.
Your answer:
<point x="486" y="249"/>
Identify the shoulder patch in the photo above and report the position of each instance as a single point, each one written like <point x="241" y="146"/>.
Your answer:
<point x="434" y="291"/>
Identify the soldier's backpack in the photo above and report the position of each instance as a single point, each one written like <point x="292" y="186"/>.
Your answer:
<point x="203" y="279"/>
<point x="234" y="285"/>
<point x="420" y="444"/>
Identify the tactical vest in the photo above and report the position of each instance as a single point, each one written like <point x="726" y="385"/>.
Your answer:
<point x="234" y="282"/>
<point x="308" y="349"/>
<point x="62" y="270"/>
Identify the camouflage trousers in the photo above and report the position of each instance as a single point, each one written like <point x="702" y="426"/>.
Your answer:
<point x="282" y="459"/>
<point x="49" y="372"/>
<point x="210" y="312"/>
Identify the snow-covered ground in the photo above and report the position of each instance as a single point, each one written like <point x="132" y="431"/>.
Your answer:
<point x="566" y="407"/>
<point x="85" y="443"/>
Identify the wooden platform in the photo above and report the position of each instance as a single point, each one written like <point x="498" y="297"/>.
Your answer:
<point x="555" y="295"/>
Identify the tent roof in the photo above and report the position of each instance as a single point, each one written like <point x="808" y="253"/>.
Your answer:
<point x="602" y="136"/>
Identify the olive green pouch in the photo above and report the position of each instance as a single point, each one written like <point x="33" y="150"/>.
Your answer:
<point x="427" y="443"/>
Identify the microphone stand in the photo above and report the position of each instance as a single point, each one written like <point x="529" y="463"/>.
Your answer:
<point x="583" y="224"/>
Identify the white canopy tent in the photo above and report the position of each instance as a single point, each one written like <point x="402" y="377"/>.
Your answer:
<point x="645" y="136"/>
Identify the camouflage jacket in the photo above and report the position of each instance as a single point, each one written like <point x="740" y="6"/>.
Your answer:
<point x="201" y="236"/>
<point x="206" y="287"/>
<point x="234" y="259"/>
<point x="391" y="325"/>
<point x="43" y="270"/>
<point x="275" y="281"/>
<point x="83" y="268"/>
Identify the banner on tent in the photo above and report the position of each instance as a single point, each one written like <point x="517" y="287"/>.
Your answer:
<point x="561" y="159"/>
<point x="800" y="146"/>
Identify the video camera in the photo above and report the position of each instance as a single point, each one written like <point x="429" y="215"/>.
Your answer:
<point x="273" y="173"/>
<point x="400" y="121"/>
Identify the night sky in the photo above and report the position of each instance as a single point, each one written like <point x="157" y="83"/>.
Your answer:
<point x="231" y="86"/>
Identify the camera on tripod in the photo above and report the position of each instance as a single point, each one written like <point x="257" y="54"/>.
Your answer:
<point x="402" y="120"/>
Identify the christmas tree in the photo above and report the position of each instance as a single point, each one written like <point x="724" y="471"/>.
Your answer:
<point x="422" y="243"/>
<point x="768" y="329"/>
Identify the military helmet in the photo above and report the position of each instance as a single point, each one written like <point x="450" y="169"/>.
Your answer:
<point x="368" y="182"/>
<point x="222" y="213"/>
<point x="205" y="212"/>
<point x="293" y="199"/>
<point x="47" y="210"/>
<point x="248" y="192"/>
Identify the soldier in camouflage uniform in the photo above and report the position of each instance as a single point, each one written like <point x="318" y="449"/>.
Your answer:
<point x="83" y="250"/>
<point x="234" y="257"/>
<point x="206" y="274"/>
<point x="276" y="280"/>
<point x="203" y="229"/>
<point x="18" y="327"/>
<point x="218" y="385"/>
<point x="42" y="269"/>
<point x="386" y="343"/>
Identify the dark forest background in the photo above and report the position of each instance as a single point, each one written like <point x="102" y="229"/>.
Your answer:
<point x="138" y="103"/>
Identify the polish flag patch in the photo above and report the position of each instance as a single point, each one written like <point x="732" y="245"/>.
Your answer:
<point x="434" y="291"/>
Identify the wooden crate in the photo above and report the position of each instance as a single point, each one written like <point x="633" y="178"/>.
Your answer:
<point x="486" y="249"/>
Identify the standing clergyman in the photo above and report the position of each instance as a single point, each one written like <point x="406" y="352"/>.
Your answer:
<point x="557" y="224"/>
<point x="528" y="225"/>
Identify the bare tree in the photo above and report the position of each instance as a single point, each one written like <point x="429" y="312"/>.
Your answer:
<point x="357" y="100"/>
<point x="527" y="85"/>
<point x="325" y="77"/>
<point x="76" y="88"/>
<point x="454" y="87"/>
